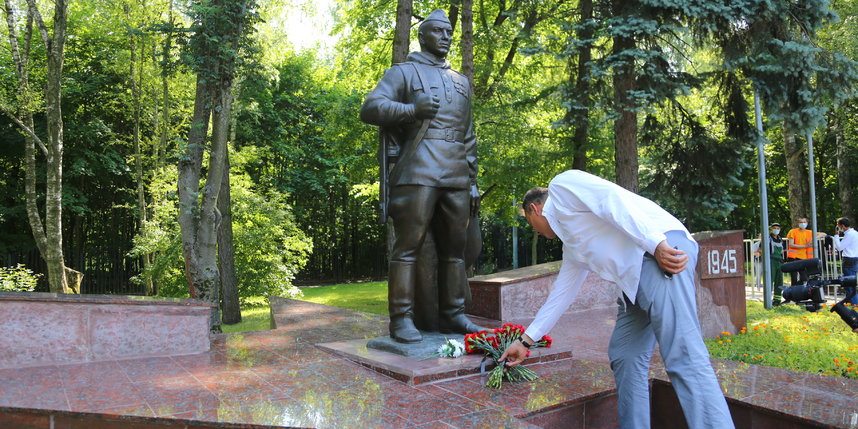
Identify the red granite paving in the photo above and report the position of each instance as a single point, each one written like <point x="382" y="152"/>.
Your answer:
<point x="279" y="378"/>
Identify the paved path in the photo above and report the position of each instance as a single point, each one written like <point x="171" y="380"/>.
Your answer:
<point x="278" y="378"/>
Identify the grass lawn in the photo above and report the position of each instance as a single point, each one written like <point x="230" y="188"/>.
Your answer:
<point x="370" y="297"/>
<point x="255" y="316"/>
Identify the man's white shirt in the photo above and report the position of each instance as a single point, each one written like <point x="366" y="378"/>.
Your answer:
<point x="605" y="229"/>
<point x="849" y="243"/>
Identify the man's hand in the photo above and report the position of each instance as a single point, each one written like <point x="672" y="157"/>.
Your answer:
<point x="669" y="259"/>
<point x="426" y="107"/>
<point x="514" y="354"/>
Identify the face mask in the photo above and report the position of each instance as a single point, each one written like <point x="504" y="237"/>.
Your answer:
<point x="802" y="225"/>
<point x="776" y="231"/>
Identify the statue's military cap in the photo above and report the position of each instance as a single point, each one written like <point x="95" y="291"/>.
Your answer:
<point x="436" y="15"/>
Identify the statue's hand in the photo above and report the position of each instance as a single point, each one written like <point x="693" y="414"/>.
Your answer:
<point x="425" y="107"/>
<point x="475" y="200"/>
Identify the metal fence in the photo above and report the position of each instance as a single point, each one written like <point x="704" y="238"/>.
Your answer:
<point x="831" y="266"/>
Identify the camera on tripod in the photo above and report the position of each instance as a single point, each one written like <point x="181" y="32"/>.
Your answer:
<point x="811" y="295"/>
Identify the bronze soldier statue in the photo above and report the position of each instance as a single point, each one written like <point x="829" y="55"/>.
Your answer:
<point x="424" y="110"/>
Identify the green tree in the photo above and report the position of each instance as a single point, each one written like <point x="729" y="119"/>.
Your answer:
<point x="220" y="33"/>
<point x="796" y="79"/>
<point x="48" y="233"/>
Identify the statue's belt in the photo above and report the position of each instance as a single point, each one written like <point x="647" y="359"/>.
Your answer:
<point x="448" y="134"/>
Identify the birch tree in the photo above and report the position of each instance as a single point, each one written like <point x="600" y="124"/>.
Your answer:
<point x="48" y="232"/>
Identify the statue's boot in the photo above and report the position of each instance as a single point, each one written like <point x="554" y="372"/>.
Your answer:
<point x="452" y="282"/>
<point x="401" y="282"/>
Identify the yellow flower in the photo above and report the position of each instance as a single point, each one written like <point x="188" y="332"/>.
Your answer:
<point x="729" y="341"/>
<point x="720" y="342"/>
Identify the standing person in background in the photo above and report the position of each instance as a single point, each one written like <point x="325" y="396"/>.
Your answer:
<point x="849" y="246"/>
<point x="800" y="246"/>
<point x="776" y="256"/>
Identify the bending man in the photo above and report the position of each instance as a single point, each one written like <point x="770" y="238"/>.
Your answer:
<point x="631" y="241"/>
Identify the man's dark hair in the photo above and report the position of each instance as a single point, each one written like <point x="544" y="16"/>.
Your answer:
<point x="844" y="222"/>
<point x="536" y="195"/>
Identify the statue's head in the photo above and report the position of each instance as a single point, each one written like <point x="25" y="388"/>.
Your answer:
<point x="435" y="34"/>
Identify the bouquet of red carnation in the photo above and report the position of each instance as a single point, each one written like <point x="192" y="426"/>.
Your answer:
<point x="493" y="345"/>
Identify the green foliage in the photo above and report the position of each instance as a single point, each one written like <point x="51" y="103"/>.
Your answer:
<point x="18" y="279"/>
<point x="791" y="338"/>
<point x="269" y="247"/>
<point x="701" y="198"/>
<point x="304" y="146"/>
<point x="308" y="143"/>
<point x="220" y="40"/>
<point x="797" y="80"/>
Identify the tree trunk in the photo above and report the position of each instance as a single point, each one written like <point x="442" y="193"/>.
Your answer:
<point x="453" y="13"/>
<point x="165" y="93"/>
<point x="844" y="173"/>
<point x="138" y="153"/>
<point x="22" y="73"/>
<point x="626" y="124"/>
<point x="581" y="110"/>
<point x="226" y="252"/>
<point x="797" y="177"/>
<point x="198" y="216"/>
<point x="402" y="32"/>
<point x="190" y="164"/>
<point x="201" y="274"/>
<point x="534" y="248"/>
<point x="55" y="47"/>
<point x="467" y="40"/>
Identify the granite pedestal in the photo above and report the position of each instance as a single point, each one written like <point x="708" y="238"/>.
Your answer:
<point x="46" y="328"/>
<point x="415" y="364"/>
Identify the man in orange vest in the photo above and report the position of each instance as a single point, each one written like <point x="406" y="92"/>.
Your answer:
<point x="800" y="246"/>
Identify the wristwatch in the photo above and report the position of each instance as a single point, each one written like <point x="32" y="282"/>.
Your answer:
<point x="524" y="343"/>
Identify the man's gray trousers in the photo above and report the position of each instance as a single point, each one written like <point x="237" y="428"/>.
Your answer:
<point x="665" y="311"/>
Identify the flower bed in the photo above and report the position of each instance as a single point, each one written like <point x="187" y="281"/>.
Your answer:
<point x="791" y="338"/>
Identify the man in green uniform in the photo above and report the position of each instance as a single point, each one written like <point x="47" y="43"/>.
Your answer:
<point x="776" y="249"/>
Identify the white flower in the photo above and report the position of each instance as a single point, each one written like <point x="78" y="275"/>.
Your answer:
<point x="451" y="348"/>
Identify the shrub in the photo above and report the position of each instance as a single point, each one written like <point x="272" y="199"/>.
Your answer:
<point x="18" y="279"/>
<point x="269" y="247"/>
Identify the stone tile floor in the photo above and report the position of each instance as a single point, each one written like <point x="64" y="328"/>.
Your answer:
<point x="278" y="378"/>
